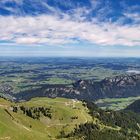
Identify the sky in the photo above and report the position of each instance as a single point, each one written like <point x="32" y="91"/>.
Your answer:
<point x="79" y="28"/>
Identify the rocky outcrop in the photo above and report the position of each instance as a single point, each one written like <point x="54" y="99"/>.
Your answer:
<point x="116" y="87"/>
<point x="6" y="88"/>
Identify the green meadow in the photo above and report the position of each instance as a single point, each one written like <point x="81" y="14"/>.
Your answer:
<point x="15" y="126"/>
<point x="115" y="103"/>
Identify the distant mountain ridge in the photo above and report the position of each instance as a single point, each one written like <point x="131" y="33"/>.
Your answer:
<point x="115" y="87"/>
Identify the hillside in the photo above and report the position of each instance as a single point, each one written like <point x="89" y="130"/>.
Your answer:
<point x="65" y="114"/>
<point x="135" y="106"/>
<point x="59" y="118"/>
<point x="115" y="87"/>
<point x="110" y="125"/>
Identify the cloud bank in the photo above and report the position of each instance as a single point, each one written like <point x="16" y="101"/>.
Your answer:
<point x="56" y="30"/>
<point x="76" y="23"/>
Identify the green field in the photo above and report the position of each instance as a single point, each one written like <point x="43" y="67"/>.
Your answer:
<point x="15" y="126"/>
<point x="27" y="76"/>
<point x="66" y="115"/>
<point x="116" y="103"/>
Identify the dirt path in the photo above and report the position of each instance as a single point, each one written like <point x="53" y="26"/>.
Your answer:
<point x="21" y="125"/>
<point x="5" y="138"/>
<point x="3" y="106"/>
<point x="82" y="113"/>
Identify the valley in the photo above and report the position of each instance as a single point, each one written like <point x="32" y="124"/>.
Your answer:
<point x="81" y="78"/>
<point x="69" y="69"/>
<point x="50" y="98"/>
<point x="115" y="103"/>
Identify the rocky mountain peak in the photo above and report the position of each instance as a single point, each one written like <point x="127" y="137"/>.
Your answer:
<point x="123" y="80"/>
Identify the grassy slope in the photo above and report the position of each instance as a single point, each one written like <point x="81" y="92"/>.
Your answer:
<point x="16" y="126"/>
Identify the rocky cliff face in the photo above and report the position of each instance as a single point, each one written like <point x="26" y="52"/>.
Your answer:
<point x="116" y="87"/>
<point x="120" y="86"/>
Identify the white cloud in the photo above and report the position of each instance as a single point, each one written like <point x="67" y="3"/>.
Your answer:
<point x="56" y="30"/>
<point x="133" y="16"/>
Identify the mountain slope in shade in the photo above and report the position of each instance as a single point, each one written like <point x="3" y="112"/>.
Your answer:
<point x="135" y="106"/>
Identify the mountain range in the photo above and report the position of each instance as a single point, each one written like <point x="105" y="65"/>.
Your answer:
<point x="115" y="87"/>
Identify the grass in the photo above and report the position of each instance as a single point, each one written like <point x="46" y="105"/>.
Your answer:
<point x="116" y="103"/>
<point x="19" y="126"/>
<point x="57" y="80"/>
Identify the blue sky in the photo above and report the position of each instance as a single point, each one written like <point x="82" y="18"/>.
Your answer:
<point x="90" y="28"/>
